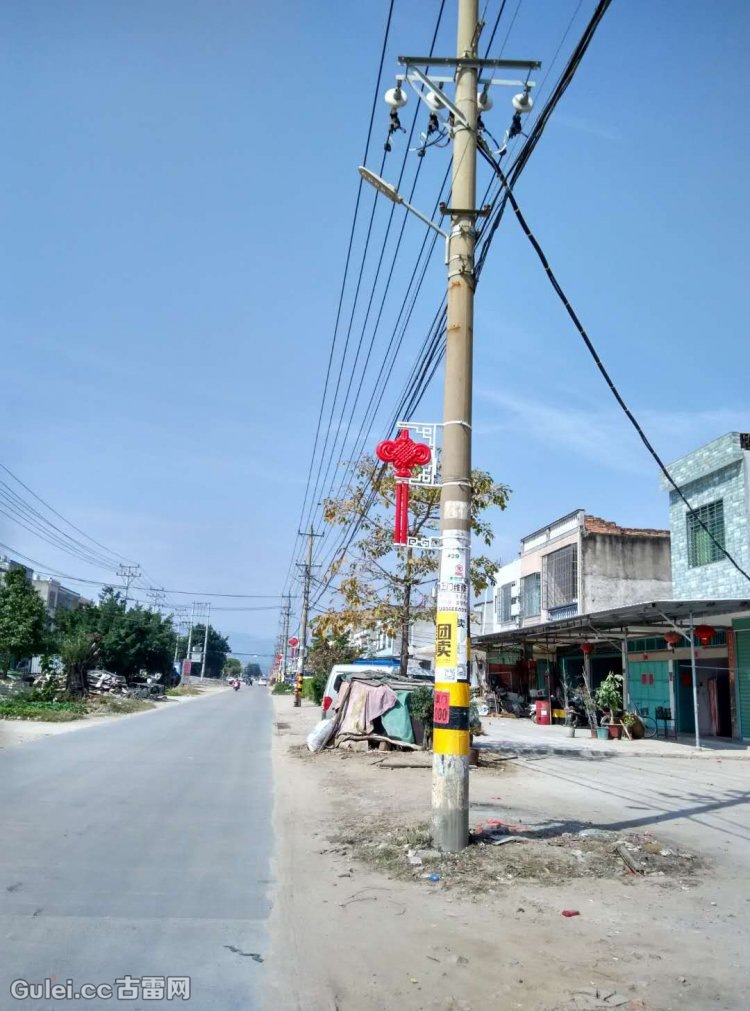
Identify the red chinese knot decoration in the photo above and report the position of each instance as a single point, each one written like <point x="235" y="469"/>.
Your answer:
<point x="405" y="455"/>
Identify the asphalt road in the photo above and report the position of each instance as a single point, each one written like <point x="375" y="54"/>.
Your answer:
<point x="141" y="847"/>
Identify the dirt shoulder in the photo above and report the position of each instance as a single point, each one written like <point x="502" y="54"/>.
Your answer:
<point x="359" y="925"/>
<point x="16" y="732"/>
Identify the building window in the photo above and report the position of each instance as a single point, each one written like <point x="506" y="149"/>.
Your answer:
<point x="560" y="577"/>
<point x="531" y="597"/>
<point x="502" y="603"/>
<point x="702" y="549"/>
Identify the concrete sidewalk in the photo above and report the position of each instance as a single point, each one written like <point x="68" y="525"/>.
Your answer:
<point x="522" y="737"/>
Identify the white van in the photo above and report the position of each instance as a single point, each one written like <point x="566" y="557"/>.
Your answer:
<point x="344" y="671"/>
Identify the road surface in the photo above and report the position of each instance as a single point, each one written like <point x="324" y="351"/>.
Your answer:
<point x="141" y="848"/>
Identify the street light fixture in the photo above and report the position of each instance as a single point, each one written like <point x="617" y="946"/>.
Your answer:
<point x="390" y="191"/>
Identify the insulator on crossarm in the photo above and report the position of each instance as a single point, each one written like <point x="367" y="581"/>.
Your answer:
<point x="396" y="97"/>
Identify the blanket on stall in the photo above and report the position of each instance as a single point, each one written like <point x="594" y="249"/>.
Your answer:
<point x="361" y="704"/>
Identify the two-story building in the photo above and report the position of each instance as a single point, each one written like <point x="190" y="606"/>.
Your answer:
<point x="715" y="479"/>
<point x="575" y="565"/>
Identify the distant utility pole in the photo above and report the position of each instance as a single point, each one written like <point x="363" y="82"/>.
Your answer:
<point x="450" y="770"/>
<point x="188" y="655"/>
<point x="157" y="597"/>
<point x="205" y="640"/>
<point x="128" y="573"/>
<point x="302" y="655"/>
<point x="180" y="628"/>
<point x="285" y="634"/>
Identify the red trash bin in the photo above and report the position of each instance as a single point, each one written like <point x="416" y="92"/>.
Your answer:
<point x="543" y="711"/>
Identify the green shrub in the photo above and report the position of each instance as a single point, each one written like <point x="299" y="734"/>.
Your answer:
<point x="20" y="708"/>
<point x="314" y="688"/>
<point x="282" y="688"/>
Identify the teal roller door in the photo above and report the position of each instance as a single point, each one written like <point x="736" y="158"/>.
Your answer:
<point x="649" y="685"/>
<point x="742" y="660"/>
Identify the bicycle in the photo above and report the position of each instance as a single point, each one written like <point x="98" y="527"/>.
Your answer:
<point x="649" y="723"/>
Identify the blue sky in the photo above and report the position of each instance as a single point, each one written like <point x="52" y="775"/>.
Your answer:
<point x="178" y="182"/>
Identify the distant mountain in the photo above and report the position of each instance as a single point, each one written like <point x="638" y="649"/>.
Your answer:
<point x="244" y="645"/>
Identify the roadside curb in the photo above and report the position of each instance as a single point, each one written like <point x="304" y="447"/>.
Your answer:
<point x="532" y="751"/>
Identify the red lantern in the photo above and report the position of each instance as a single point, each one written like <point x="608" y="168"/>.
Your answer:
<point x="705" y="633"/>
<point x="671" y="639"/>
<point x="587" y="648"/>
<point x="294" y="642"/>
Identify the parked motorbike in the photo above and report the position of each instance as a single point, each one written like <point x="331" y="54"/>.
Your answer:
<point x="511" y="702"/>
<point x="576" y="711"/>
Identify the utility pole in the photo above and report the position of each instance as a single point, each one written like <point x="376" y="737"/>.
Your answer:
<point x="156" y="595"/>
<point x="307" y="568"/>
<point x="205" y="640"/>
<point x="188" y="654"/>
<point x="450" y="768"/>
<point x="285" y="634"/>
<point x="128" y="573"/>
<point x="180" y="626"/>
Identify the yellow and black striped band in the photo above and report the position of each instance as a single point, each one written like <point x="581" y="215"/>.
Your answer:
<point x="452" y="738"/>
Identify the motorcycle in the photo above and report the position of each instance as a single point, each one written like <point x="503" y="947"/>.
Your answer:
<point x="236" y="685"/>
<point x="511" y="702"/>
<point x="576" y="711"/>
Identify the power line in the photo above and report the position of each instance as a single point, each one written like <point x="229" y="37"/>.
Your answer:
<point x="61" y="517"/>
<point x="434" y="347"/>
<point x="602" y="368"/>
<point x="346" y="274"/>
<point x="99" y="582"/>
<point x="339" y="438"/>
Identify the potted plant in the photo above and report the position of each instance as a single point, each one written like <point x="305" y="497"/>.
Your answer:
<point x="633" y="726"/>
<point x="589" y="706"/>
<point x="421" y="705"/>
<point x="609" y="697"/>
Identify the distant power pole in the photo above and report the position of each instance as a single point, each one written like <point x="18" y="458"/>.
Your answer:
<point x="128" y="573"/>
<point x="285" y="634"/>
<point x="205" y="640"/>
<point x="307" y="570"/>
<point x="157" y="597"/>
<point x="188" y="654"/>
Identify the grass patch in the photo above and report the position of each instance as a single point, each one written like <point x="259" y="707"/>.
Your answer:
<point x="20" y="708"/>
<point x="282" y="688"/>
<point x="105" y="705"/>
<point x="182" y="690"/>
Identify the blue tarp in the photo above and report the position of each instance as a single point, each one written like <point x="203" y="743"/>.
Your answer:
<point x="397" y="721"/>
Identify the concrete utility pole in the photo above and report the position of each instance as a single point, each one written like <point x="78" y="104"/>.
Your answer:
<point x="156" y="595"/>
<point x="285" y="634"/>
<point x="188" y="655"/>
<point x="302" y="654"/>
<point x="450" y="769"/>
<point x="128" y="573"/>
<point x="450" y="779"/>
<point x="205" y="640"/>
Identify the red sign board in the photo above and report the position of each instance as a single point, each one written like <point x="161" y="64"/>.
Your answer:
<point x="442" y="711"/>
